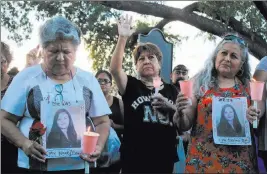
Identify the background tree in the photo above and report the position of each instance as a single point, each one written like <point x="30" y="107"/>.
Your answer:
<point x="97" y="22"/>
<point x="215" y="17"/>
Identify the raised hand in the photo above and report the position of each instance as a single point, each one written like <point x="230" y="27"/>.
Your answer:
<point x="125" y="26"/>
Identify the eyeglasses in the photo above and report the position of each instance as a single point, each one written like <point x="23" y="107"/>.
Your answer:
<point x="180" y="72"/>
<point x="59" y="89"/>
<point x="234" y="37"/>
<point x="103" y="81"/>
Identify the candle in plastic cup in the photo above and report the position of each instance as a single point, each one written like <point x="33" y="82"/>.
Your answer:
<point x="89" y="141"/>
<point x="156" y="83"/>
<point x="256" y="90"/>
<point x="186" y="87"/>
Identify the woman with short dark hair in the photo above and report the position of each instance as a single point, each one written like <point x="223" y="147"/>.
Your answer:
<point x="149" y="137"/>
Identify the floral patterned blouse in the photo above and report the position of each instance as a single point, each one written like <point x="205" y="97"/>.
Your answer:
<point x="204" y="156"/>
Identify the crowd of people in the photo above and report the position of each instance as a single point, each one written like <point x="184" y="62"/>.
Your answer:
<point x="148" y="124"/>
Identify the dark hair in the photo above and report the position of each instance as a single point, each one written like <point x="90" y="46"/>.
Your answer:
<point x="147" y="47"/>
<point x="180" y="67"/>
<point x="106" y="72"/>
<point x="224" y="123"/>
<point x="6" y="52"/>
<point x="55" y="130"/>
<point x="13" y="71"/>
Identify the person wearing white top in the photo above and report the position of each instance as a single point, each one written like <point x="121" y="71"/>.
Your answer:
<point x="261" y="75"/>
<point x="55" y="80"/>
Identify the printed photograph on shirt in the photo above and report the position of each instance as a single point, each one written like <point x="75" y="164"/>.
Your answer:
<point x="65" y="128"/>
<point x="230" y="126"/>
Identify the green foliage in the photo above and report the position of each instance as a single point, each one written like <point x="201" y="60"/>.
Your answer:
<point x="243" y="11"/>
<point x="97" y="23"/>
<point x="16" y="21"/>
<point x="206" y="36"/>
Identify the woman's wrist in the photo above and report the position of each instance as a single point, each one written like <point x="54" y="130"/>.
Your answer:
<point x="168" y="104"/>
<point x="123" y="37"/>
<point x="182" y="120"/>
<point x="26" y="145"/>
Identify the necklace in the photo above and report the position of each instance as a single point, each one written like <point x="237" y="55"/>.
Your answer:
<point x="152" y="87"/>
<point x="231" y="86"/>
<point x="71" y="78"/>
<point x="148" y="86"/>
<point x="227" y="93"/>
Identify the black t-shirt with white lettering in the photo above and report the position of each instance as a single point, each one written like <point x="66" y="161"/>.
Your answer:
<point x="149" y="140"/>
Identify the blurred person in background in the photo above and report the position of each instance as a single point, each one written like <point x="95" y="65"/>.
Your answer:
<point x="13" y="71"/>
<point x="116" y="105"/>
<point x="116" y="120"/>
<point x="261" y="75"/>
<point x="8" y="150"/>
<point x="180" y="72"/>
<point x="33" y="57"/>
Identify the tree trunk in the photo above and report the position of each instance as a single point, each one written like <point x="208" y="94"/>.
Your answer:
<point x="258" y="47"/>
<point x="262" y="6"/>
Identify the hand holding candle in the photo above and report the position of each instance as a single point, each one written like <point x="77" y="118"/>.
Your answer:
<point x="89" y="141"/>
<point x="186" y="87"/>
<point x="89" y="145"/>
<point x="256" y="92"/>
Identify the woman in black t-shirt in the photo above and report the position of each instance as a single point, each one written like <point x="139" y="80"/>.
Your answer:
<point x="149" y="137"/>
<point x="116" y="105"/>
<point x="116" y="118"/>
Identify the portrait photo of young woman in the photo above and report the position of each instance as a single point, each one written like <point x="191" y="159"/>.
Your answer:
<point x="229" y="125"/>
<point x="63" y="133"/>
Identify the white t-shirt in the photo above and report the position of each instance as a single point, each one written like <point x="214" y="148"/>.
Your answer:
<point x="263" y="126"/>
<point x="31" y="86"/>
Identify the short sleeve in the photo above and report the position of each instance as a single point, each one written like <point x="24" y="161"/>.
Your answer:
<point x="99" y="106"/>
<point x="14" y="100"/>
<point x="130" y="86"/>
<point x="263" y="64"/>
